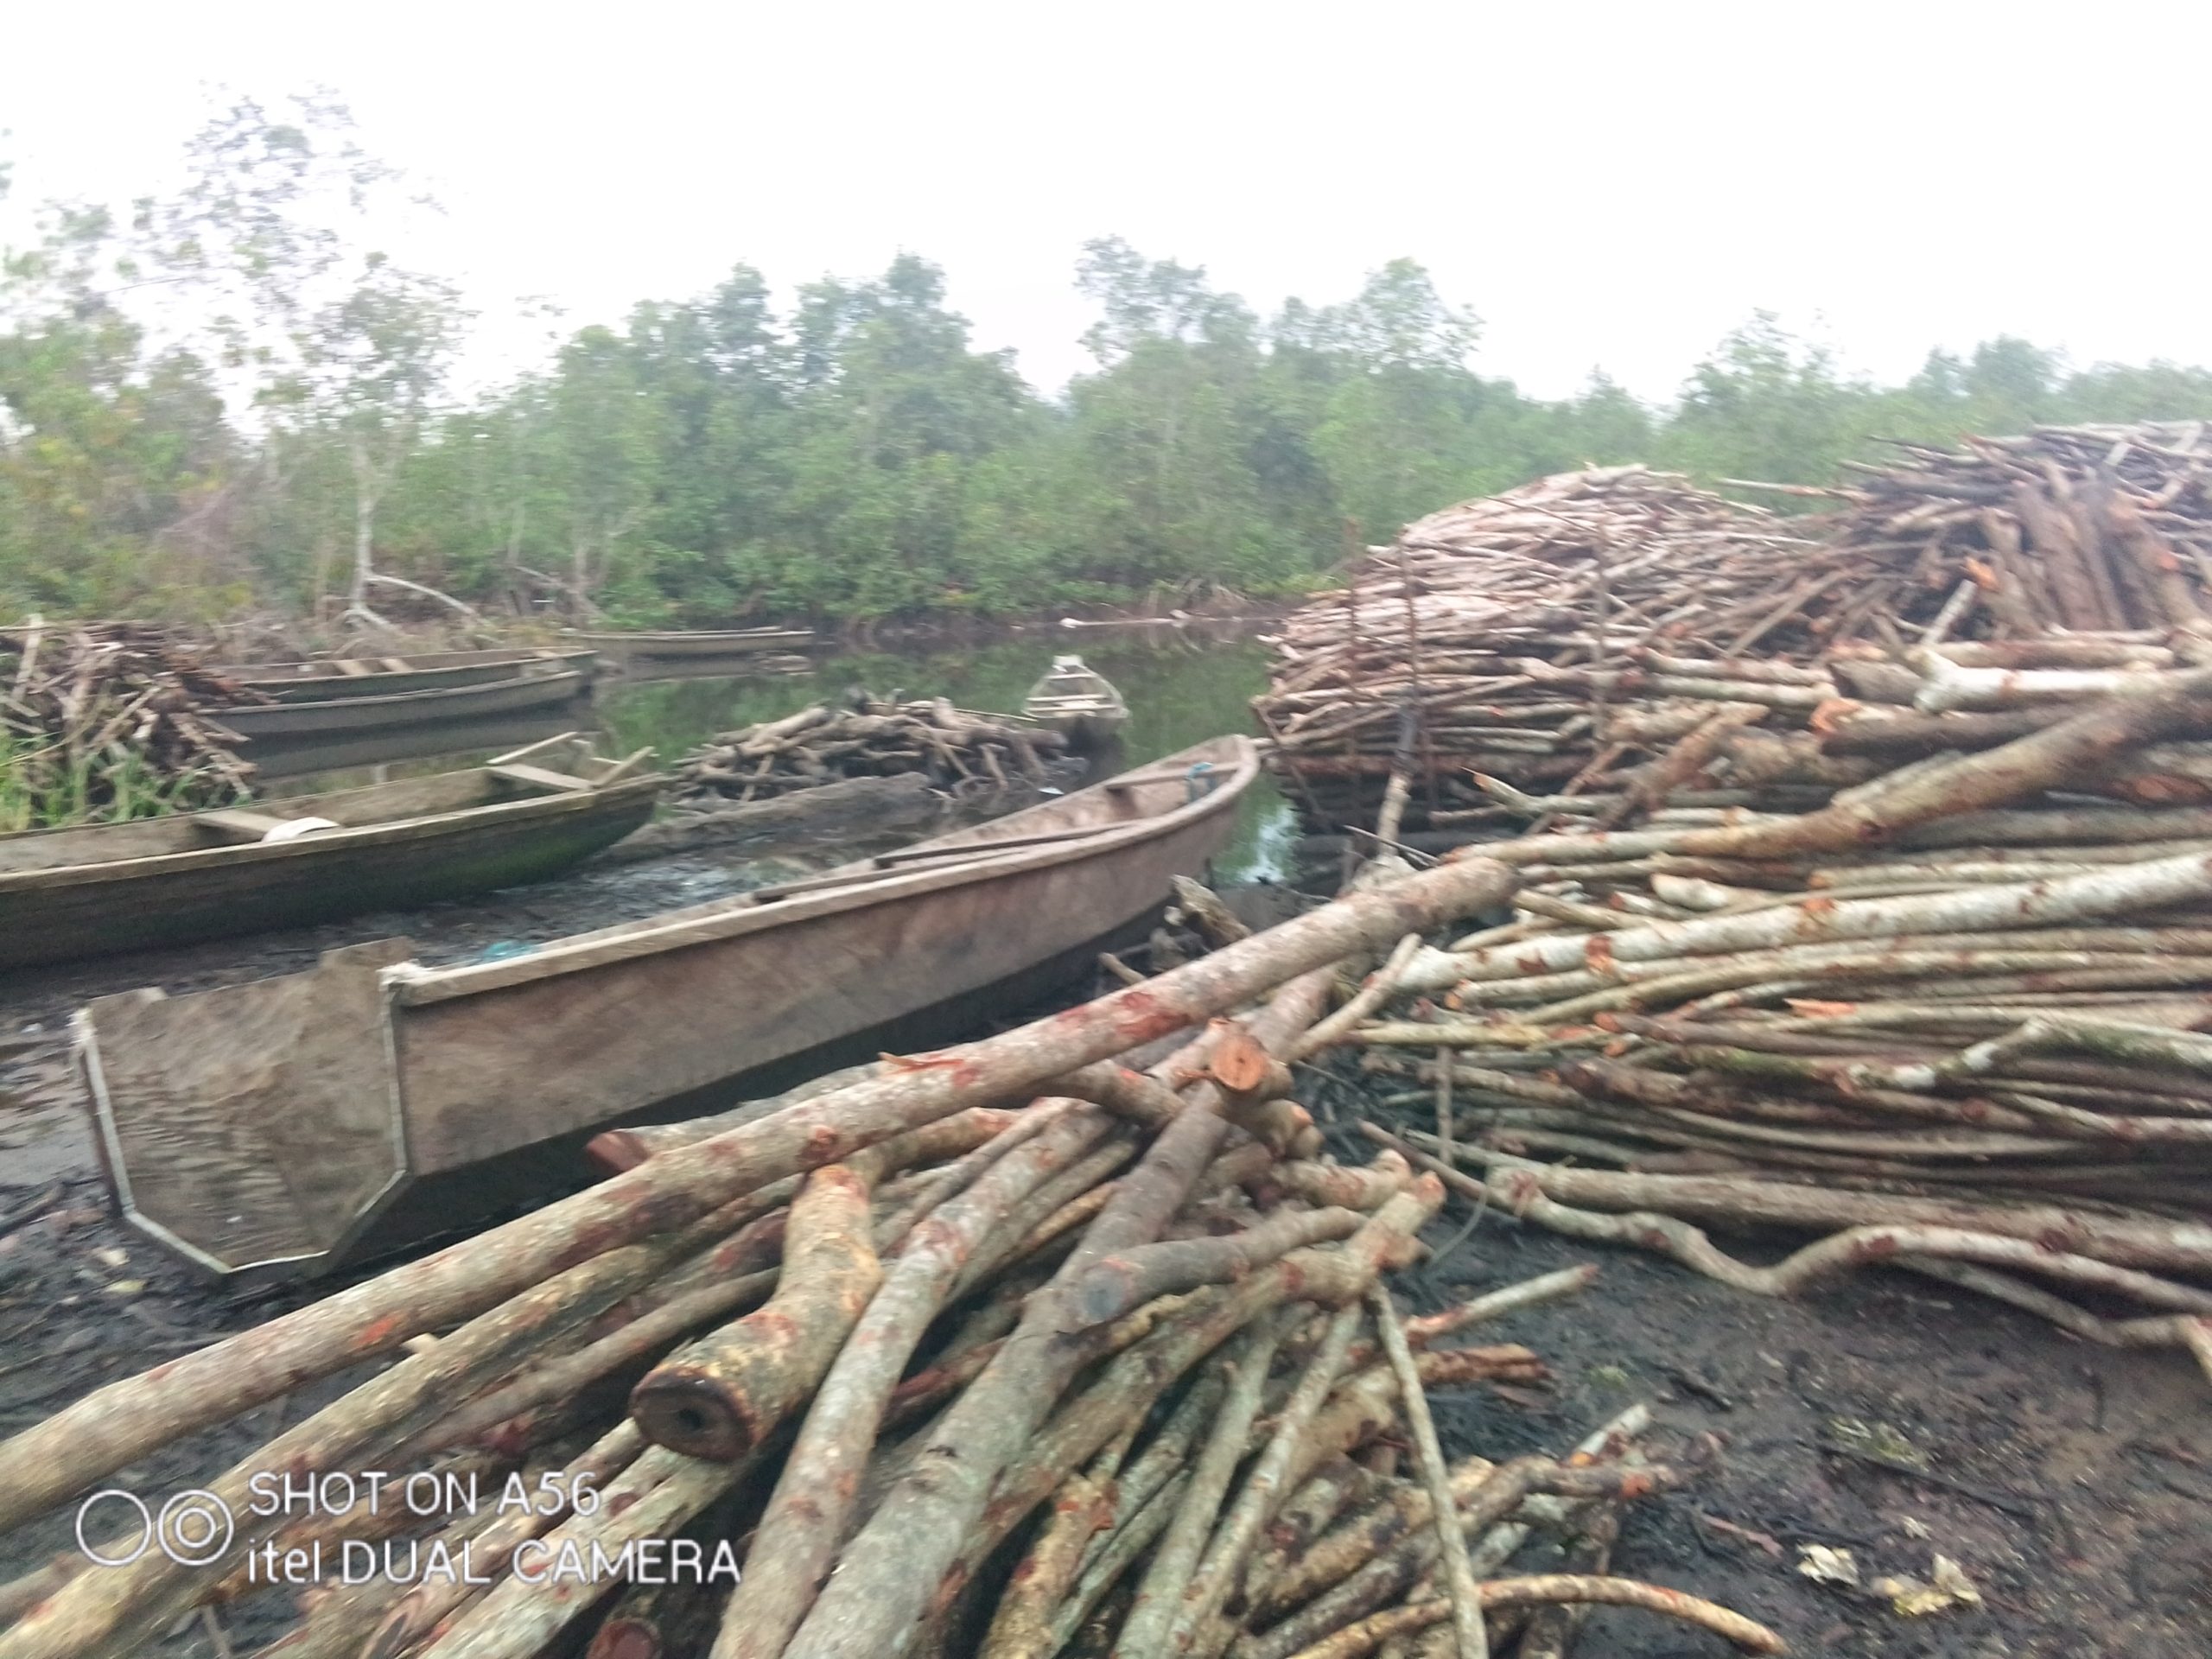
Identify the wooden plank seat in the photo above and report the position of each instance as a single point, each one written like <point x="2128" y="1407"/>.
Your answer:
<point x="529" y="777"/>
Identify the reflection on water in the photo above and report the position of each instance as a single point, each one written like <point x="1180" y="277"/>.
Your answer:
<point x="1180" y="691"/>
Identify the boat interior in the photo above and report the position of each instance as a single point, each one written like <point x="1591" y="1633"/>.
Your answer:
<point x="350" y="668"/>
<point x="1157" y="790"/>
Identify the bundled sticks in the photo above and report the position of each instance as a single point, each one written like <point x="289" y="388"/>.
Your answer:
<point x="1010" y="1343"/>
<point x="1496" y="634"/>
<point x="103" y="720"/>
<point x="1615" y="634"/>
<point x="955" y="749"/>
<point x="1950" y="1020"/>
<point x="2083" y="528"/>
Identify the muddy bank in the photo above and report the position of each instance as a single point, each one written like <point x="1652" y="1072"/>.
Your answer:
<point x="2071" y="1483"/>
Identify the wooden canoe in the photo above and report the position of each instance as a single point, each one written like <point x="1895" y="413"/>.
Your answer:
<point x="535" y="686"/>
<point x="410" y="1092"/>
<point x="377" y="677"/>
<point x="101" y="888"/>
<point x="732" y="642"/>
<point x="1077" y="701"/>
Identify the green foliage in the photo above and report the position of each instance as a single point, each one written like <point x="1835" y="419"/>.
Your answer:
<point x="41" y="787"/>
<point x="279" y="428"/>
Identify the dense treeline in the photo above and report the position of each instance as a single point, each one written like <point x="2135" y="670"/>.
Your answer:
<point x="222" y="400"/>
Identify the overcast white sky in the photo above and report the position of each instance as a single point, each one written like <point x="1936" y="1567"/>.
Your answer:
<point x="1614" y="185"/>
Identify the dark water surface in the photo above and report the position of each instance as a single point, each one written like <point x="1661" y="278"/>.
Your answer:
<point x="1180" y="690"/>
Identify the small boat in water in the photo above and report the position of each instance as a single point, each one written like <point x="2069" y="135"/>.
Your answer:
<point x="729" y="642"/>
<point x="324" y="679"/>
<point x="101" y="888"/>
<point x="1077" y="701"/>
<point x="536" y="685"/>
<point x="409" y="1090"/>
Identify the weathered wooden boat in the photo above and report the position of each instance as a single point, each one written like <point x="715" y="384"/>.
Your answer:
<point x="376" y="676"/>
<point x="101" y="888"/>
<point x="534" y="685"/>
<point x="752" y="666"/>
<point x="289" y="1126"/>
<point x="729" y="642"/>
<point x="1079" y="702"/>
<point x="458" y="743"/>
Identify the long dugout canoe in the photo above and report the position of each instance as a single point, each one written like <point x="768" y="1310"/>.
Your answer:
<point x="98" y="889"/>
<point x="328" y="679"/>
<point x="532" y="687"/>
<point x="287" y="1127"/>
<point x="729" y="642"/>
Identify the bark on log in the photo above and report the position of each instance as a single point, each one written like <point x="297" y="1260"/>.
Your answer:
<point x="655" y="1497"/>
<point x="2165" y="706"/>
<point x="2182" y="1246"/>
<point x="1145" y="1628"/>
<point x="1265" y="1486"/>
<point x="1021" y="1629"/>
<point x="721" y="1396"/>
<point x="1428" y="1457"/>
<point x="1206" y="912"/>
<point x="892" y="1571"/>
<point x="1112" y="1286"/>
<point x="117" y="1424"/>
<point x="1549" y="1589"/>
<point x="1362" y="1577"/>
<point x="422" y="1608"/>
<point x="109" y="1610"/>
<point x="2113" y="891"/>
<point x="807" y="1515"/>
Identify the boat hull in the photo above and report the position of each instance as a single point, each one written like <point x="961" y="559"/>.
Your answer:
<point x="469" y="1067"/>
<point x="722" y="1009"/>
<point x="309" y="880"/>
<point x="274" y="723"/>
<point x="738" y="643"/>
<point x="434" y="673"/>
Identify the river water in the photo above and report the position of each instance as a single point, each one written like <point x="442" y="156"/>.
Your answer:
<point x="1181" y="689"/>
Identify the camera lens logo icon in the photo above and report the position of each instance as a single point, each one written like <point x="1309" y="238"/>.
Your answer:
<point x="194" y="1528"/>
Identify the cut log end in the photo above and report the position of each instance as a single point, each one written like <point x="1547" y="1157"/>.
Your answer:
<point x="689" y="1410"/>
<point x="616" y="1150"/>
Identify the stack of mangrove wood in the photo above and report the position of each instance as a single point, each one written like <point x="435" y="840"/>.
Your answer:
<point x="1618" y="632"/>
<point x="1011" y="1344"/>
<point x="1954" y="1020"/>
<point x="2082" y="527"/>
<point x="1495" y="636"/>
<point x="868" y="737"/>
<point x="103" y="720"/>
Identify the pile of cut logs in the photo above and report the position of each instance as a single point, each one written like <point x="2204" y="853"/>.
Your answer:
<point x="1952" y="1019"/>
<point x="1068" y="1339"/>
<point x="868" y="737"/>
<point x="2085" y="527"/>
<point x="1498" y="636"/>
<point x="1610" y="634"/>
<point x="110" y="719"/>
